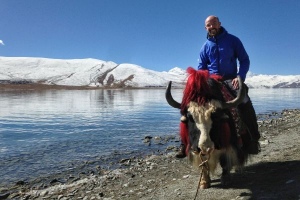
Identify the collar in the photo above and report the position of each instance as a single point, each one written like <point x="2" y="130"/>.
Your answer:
<point x="221" y="33"/>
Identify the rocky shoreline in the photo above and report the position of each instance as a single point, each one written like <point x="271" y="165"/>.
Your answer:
<point x="272" y="174"/>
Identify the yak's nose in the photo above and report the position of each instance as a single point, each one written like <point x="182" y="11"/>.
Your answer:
<point x="195" y="149"/>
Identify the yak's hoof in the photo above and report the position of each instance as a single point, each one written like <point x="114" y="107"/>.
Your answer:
<point x="205" y="182"/>
<point x="204" y="185"/>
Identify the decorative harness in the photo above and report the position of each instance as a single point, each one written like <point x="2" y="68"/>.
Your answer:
<point x="234" y="112"/>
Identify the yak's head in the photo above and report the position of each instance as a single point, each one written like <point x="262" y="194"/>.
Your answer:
<point x="199" y="104"/>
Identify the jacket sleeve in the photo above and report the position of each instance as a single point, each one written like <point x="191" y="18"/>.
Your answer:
<point x="203" y="60"/>
<point x="243" y="59"/>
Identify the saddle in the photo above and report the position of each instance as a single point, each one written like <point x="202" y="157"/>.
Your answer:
<point x="244" y="135"/>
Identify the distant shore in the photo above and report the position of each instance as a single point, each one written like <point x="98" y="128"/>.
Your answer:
<point x="25" y="85"/>
<point x="39" y="86"/>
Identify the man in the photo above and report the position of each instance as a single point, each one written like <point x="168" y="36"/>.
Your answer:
<point x="219" y="55"/>
<point x="220" y="52"/>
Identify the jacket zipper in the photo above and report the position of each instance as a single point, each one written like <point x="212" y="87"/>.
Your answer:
<point x="218" y="56"/>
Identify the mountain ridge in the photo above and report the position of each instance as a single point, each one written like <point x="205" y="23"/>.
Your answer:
<point x="98" y="73"/>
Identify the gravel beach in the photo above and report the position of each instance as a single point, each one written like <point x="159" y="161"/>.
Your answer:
<point x="272" y="174"/>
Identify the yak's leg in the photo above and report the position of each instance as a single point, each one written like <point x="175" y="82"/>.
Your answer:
<point x="205" y="179"/>
<point x="226" y="167"/>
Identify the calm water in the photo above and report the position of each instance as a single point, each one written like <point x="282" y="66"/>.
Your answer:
<point x="50" y="131"/>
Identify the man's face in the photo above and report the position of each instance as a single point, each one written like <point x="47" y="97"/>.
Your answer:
<point x="212" y="25"/>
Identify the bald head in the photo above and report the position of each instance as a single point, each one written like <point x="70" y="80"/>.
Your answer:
<point x="212" y="17"/>
<point x="212" y="25"/>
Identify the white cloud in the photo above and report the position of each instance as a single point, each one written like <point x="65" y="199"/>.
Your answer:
<point x="1" y="42"/>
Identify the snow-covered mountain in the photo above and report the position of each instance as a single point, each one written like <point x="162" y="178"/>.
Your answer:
<point x="272" y="81"/>
<point x="99" y="73"/>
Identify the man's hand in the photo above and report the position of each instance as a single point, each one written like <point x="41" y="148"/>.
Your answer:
<point x="235" y="83"/>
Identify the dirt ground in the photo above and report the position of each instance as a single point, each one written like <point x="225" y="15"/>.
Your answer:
<point x="272" y="174"/>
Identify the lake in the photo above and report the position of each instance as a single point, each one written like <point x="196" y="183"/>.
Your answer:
<point x="50" y="131"/>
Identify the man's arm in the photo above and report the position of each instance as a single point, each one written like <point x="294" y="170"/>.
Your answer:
<point x="243" y="59"/>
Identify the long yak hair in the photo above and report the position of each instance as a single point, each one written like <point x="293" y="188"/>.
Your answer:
<point x="197" y="88"/>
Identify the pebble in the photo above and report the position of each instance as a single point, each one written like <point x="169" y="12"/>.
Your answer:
<point x="265" y="142"/>
<point x="289" y="181"/>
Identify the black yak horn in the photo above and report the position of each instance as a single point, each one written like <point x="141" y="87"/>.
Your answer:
<point x="170" y="99"/>
<point x="239" y="98"/>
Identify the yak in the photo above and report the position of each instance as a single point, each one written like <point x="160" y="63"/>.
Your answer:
<point x="210" y="125"/>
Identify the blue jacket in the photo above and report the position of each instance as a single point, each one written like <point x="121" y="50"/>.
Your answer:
<point x="219" y="56"/>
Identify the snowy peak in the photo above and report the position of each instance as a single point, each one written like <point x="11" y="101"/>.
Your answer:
<point x="273" y="81"/>
<point x="178" y="71"/>
<point x="99" y="73"/>
<point x="83" y="72"/>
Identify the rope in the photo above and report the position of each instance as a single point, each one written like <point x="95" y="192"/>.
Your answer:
<point x="198" y="184"/>
<point x="202" y="164"/>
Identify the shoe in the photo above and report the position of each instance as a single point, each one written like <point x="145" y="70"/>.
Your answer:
<point x="181" y="152"/>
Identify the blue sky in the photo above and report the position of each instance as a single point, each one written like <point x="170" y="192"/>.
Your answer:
<point x="155" y="34"/>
